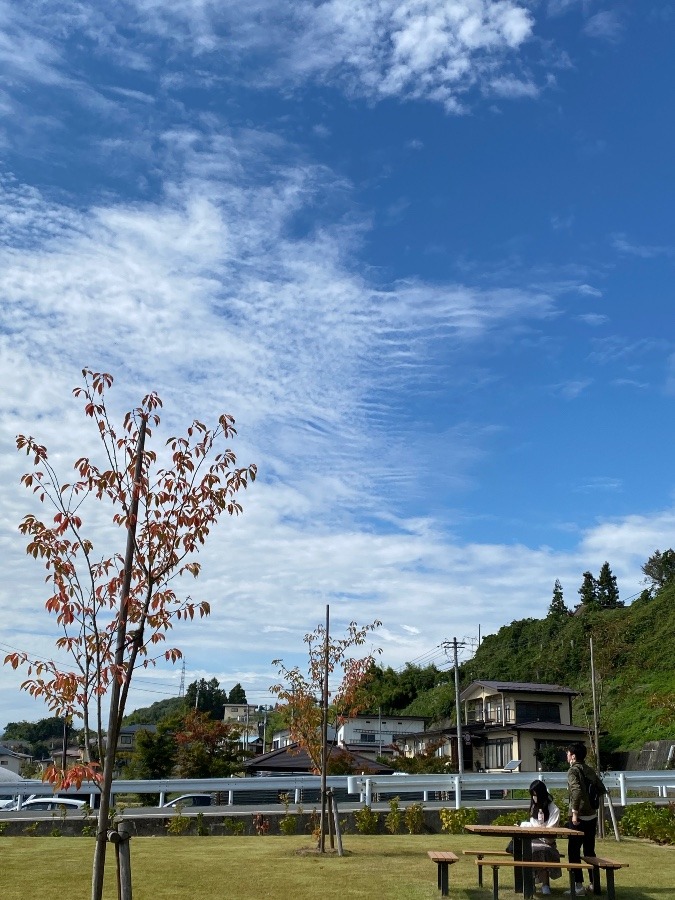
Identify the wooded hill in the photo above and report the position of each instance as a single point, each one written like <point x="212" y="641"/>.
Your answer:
<point x="634" y="661"/>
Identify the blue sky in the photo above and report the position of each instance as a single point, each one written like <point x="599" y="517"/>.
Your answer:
<point x="422" y="251"/>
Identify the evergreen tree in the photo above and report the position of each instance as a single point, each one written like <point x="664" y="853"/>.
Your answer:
<point x="607" y="590"/>
<point x="557" y="608"/>
<point x="660" y="570"/>
<point x="237" y="695"/>
<point x="207" y="697"/>
<point x="588" y="592"/>
<point x="154" y="755"/>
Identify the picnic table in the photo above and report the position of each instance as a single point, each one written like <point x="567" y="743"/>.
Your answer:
<point x="522" y="849"/>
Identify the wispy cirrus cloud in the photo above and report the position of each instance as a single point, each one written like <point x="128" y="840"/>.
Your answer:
<point x="605" y="25"/>
<point x="433" y="51"/>
<point x="644" y="251"/>
<point x="570" y="390"/>
<point x="599" y="483"/>
<point x="593" y="319"/>
<point x="210" y="291"/>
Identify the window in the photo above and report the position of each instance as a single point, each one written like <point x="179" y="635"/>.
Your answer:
<point x="498" y="753"/>
<point x="125" y="739"/>
<point x="533" y="711"/>
<point x="367" y="738"/>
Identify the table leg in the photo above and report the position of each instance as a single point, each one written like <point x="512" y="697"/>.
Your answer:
<point x="518" y="872"/>
<point x="528" y="874"/>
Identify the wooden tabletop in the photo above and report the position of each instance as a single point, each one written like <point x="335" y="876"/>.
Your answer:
<point x="517" y="831"/>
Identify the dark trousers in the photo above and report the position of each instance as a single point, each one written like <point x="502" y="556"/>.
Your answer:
<point x="587" y="842"/>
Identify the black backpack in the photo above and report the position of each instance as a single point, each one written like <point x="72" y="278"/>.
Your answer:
<point x="594" y="789"/>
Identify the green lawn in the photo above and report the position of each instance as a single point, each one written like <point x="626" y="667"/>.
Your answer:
<point x="257" y="868"/>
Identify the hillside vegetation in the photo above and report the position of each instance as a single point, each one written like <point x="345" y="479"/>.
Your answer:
<point x="633" y="652"/>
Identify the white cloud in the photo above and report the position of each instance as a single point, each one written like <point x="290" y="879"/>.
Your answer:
<point x="513" y="88"/>
<point x="593" y="319"/>
<point x="570" y="390"/>
<point x="589" y="291"/>
<point x="605" y="25"/>
<point x="643" y="251"/>
<point x="599" y="483"/>
<point x="211" y="297"/>
<point x="411" y="49"/>
<point x="670" y="375"/>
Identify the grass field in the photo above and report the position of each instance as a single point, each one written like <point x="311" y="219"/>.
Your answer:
<point x="258" y="868"/>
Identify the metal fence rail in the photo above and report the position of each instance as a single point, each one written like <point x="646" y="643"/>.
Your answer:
<point x="460" y="790"/>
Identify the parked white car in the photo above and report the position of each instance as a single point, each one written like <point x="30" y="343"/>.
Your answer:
<point x="49" y="804"/>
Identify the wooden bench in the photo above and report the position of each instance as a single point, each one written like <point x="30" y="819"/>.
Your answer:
<point x="497" y="864"/>
<point x="609" y="867"/>
<point x="480" y="856"/>
<point x="443" y="859"/>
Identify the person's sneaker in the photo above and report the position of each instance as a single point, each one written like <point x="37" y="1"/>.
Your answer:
<point x="545" y="889"/>
<point x="579" y="891"/>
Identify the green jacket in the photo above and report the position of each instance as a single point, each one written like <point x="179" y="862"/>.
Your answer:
<point x="577" y="776"/>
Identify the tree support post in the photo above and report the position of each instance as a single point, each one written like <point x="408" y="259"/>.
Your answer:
<point x="324" y="734"/>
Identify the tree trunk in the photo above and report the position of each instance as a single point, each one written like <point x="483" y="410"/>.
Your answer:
<point x="117" y="710"/>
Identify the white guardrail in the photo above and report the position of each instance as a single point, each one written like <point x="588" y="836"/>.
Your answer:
<point x="460" y="790"/>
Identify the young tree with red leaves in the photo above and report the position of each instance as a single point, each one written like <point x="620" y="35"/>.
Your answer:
<point x="307" y="705"/>
<point x="114" y="610"/>
<point x="208" y="748"/>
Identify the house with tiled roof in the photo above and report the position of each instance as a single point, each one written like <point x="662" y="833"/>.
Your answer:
<point x="504" y="721"/>
<point x="12" y="760"/>
<point x="522" y="725"/>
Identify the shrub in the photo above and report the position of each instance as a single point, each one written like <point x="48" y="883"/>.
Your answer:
<point x="234" y="826"/>
<point x="288" y="825"/>
<point x="261" y="825"/>
<point x="202" y="827"/>
<point x="178" y="824"/>
<point x="393" y="819"/>
<point x="454" y="820"/>
<point x="414" y="818"/>
<point x="314" y="824"/>
<point x="646" y="820"/>
<point x="510" y="818"/>
<point x="366" y="820"/>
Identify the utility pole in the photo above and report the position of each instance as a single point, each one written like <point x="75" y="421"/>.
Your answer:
<point x="458" y="714"/>
<point x="596" y="738"/>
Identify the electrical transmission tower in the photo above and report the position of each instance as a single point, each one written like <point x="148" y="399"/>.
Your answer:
<point x="181" y="689"/>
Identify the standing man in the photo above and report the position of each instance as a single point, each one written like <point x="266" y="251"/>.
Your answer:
<point x="583" y="812"/>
